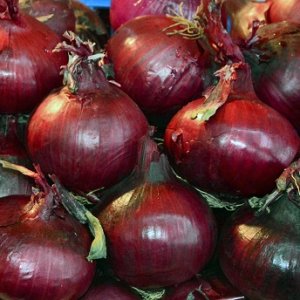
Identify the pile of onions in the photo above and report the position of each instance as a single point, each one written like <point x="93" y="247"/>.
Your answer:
<point x="29" y="69"/>
<point x="159" y="231"/>
<point x="43" y="248"/>
<point x="159" y="72"/>
<point x="122" y="11"/>
<point x="12" y="150"/>
<point x="243" y="13"/>
<point x="230" y="142"/>
<point x="57" y="14"/>
<point x="259" y="251"/>
<point x="274" y="56"/>
<point x="87" y="132"/>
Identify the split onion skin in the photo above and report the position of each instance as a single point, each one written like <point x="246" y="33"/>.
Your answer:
<point x="42" y="258"/>
<point x="88" y="140"/>
<point x="29" y="69"/>
<point x="159" y="72"/>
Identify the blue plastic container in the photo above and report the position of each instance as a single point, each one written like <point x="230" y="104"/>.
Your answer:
<point x="97" y="3"/>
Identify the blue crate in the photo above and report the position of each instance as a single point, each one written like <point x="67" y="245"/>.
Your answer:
<point x="97" y="3"/>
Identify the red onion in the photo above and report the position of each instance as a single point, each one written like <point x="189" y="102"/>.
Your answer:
<point x="11" y="149"/>
<point x="231" y="142"/>
<point x="110" y="290"/>
<point x="259" y="251"/>
<point x="274" y="55"/>
<point x="87" y="133"/>
<point x="28" y="68"/>
<point x="57" y="14"/>
<point x="123" y="11"/>
<point x="159" y="231"/>
<point x="160" y="72"/>
<point x="243" y="13"/>
<point x="43" y="249"/>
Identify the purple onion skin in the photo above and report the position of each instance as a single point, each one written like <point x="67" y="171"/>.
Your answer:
<point x="63" y="15"/>
<point x="239" y="151"/>
<point x="110" y="291"/>
<point x="42" y="258"/>
<point x="159" y="72"/>
<point x="261" y="255"/>
<point x="29" y="69"/>
<point x="89" y="140"/>
<point x="158" y="234"/>
<point x="277" y="78"/>
<point x="123" y="11"/>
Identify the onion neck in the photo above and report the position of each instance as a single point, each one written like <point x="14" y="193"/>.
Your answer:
<point x="208" y="29"/>
<point x="235" y="83"/>
<point x="83" y="72"/>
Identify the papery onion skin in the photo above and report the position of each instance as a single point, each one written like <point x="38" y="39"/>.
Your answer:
<point x="159" y="72"/>
<point x="159" y="233"/>
<point x="123" y="11"/>
<point x="28" y="68"/>
<point x="58" y="14"/>
<point x="239" y="151"/>
<point x="42" y="258"/>
<point x="261" y="255"/>
<point x="88" y="140"/>
<point x="110" y="291"/>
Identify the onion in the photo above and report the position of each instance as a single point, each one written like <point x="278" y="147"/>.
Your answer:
<point x="11" y="149"/>
<point x="159" y="231"/>
<point x="28" y="68"/>
<point x="274" y="56"/>
<point x="87" y="133"/>
<point x="160" y="72"/>
<point x="259" y="251"/>
<point x="123" y="11"/>
<point x="43" y="249"/>
<point x="230" y="142"/>
<point x="57" y="14"/>
<point x="243" y="13"/>
<point x="110" y="290"/>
